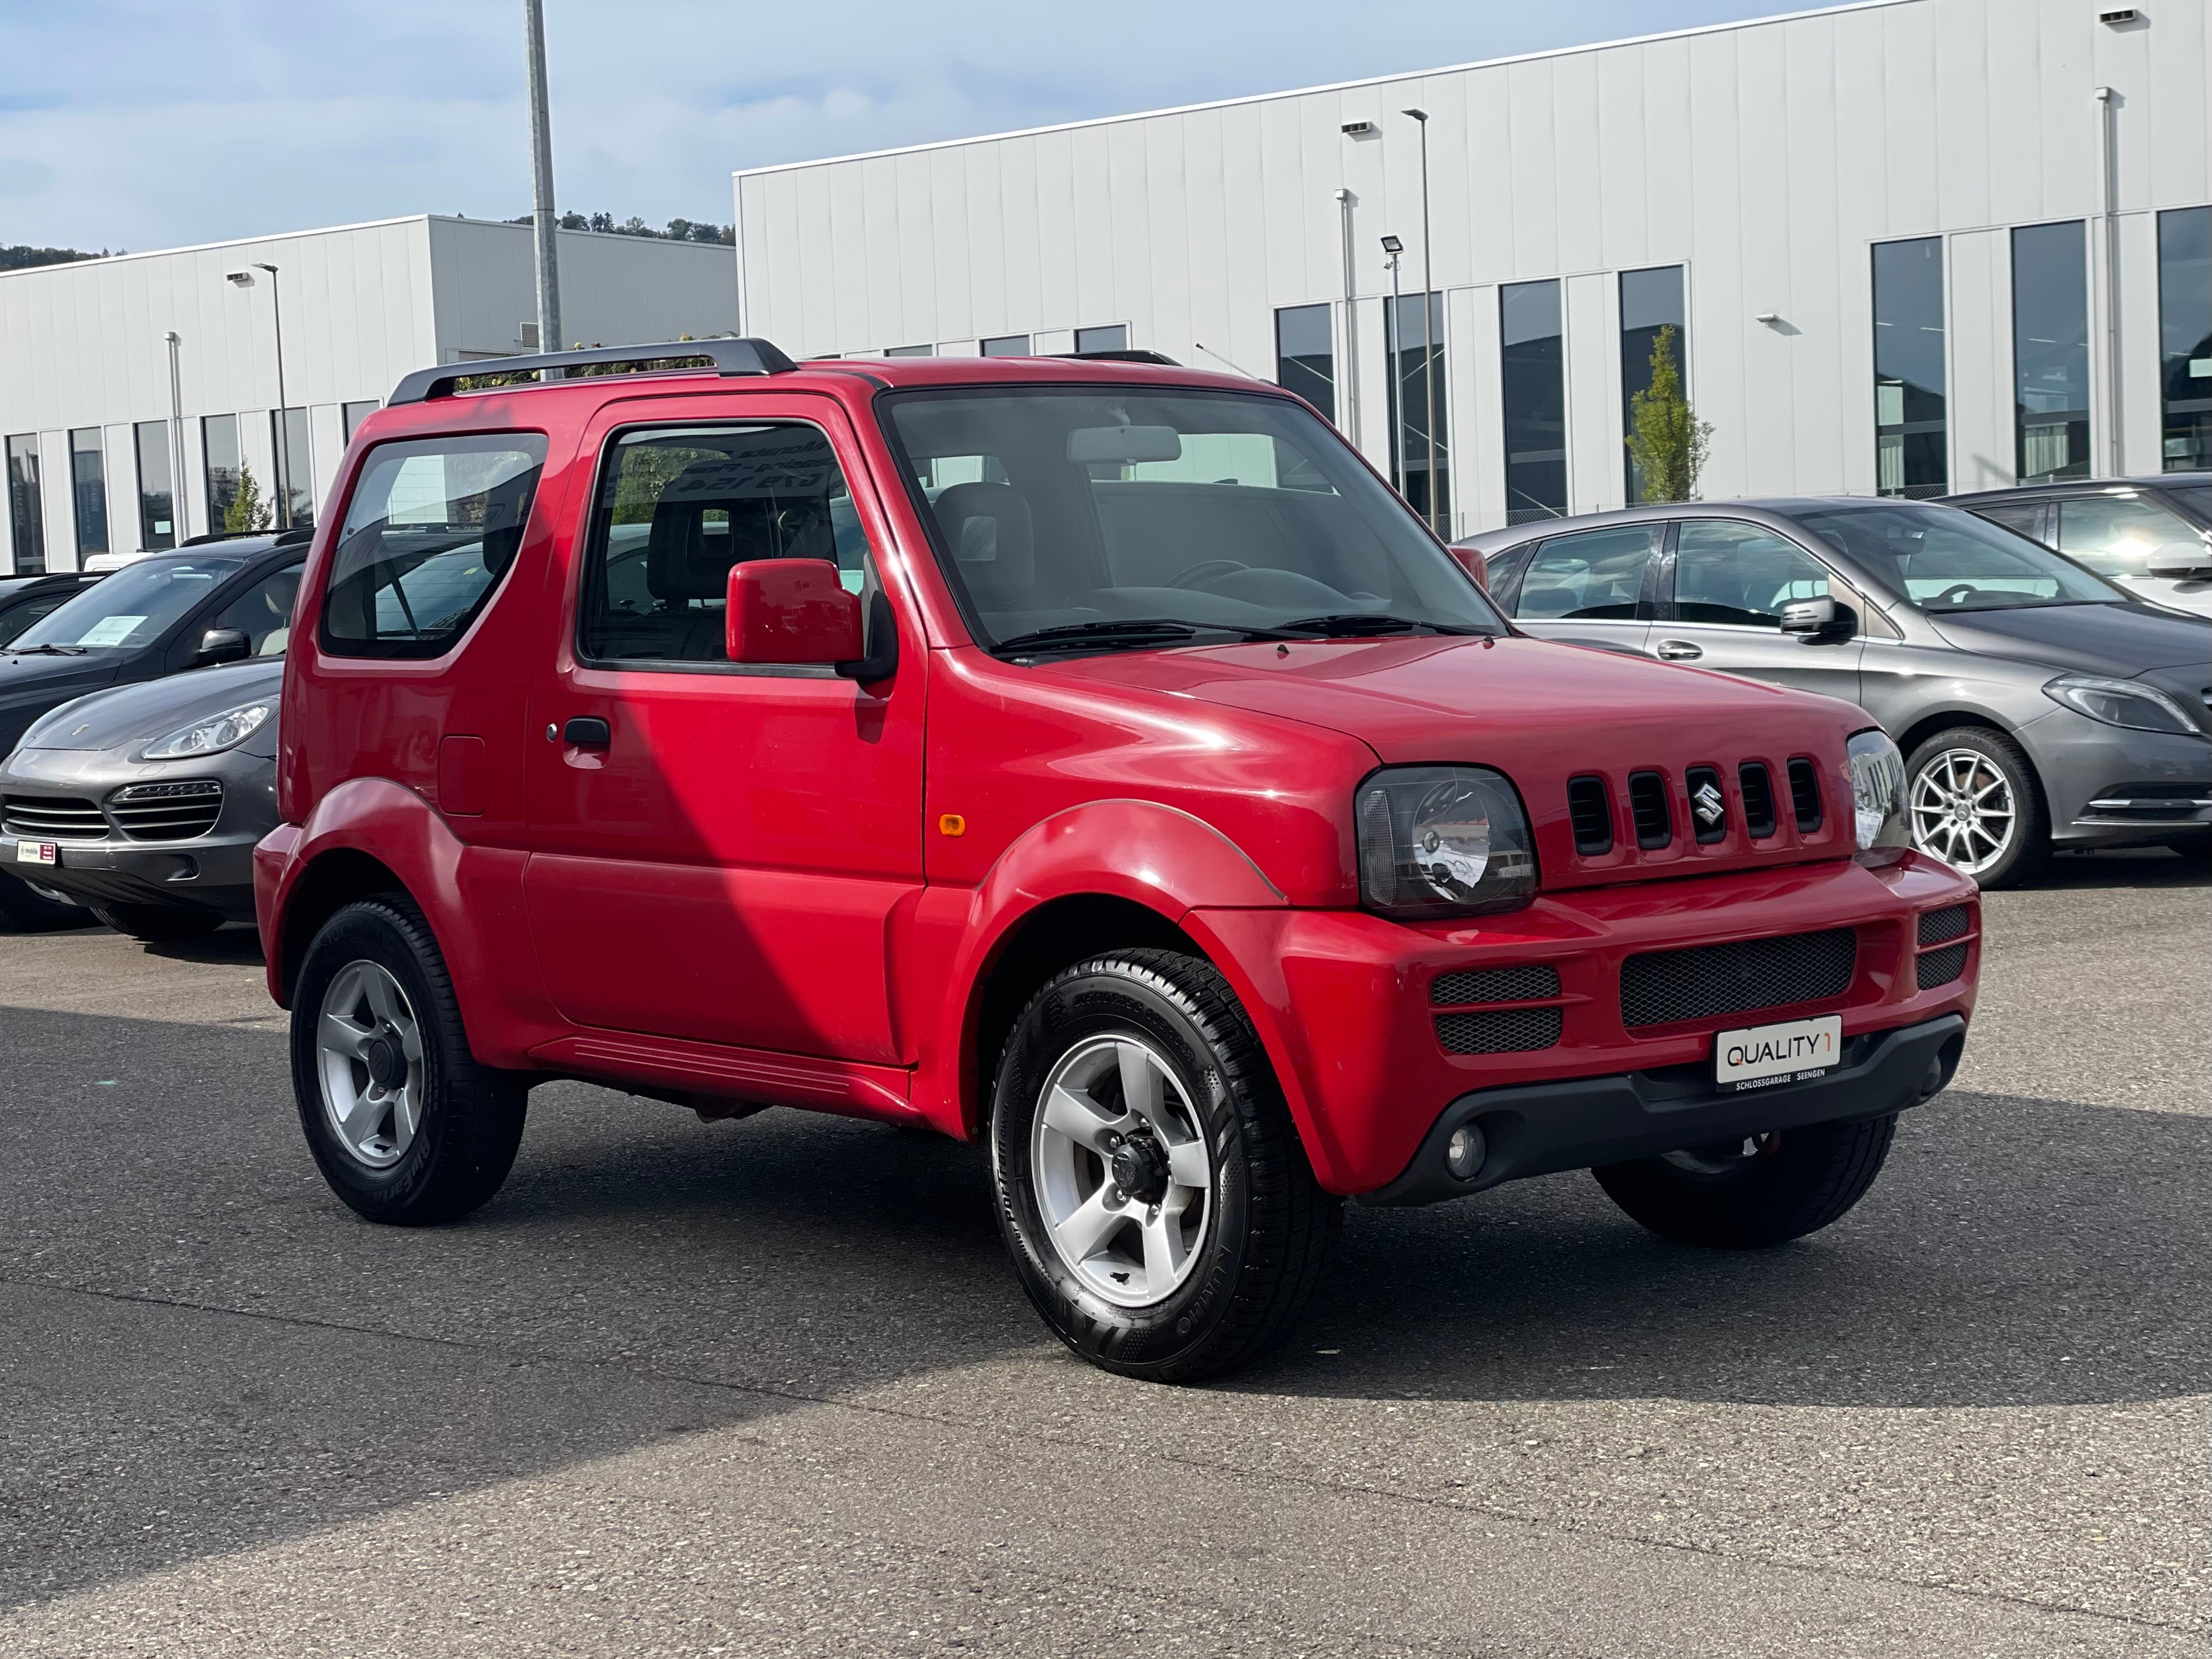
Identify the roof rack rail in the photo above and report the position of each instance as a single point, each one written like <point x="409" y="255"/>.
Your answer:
<point x="1158" y="357"/>
<point x="724" y="357"/>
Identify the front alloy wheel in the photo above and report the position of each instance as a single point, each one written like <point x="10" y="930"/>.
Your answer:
<point x="1973" y="802"/>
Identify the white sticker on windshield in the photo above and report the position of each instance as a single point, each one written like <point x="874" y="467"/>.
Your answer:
<point x="109" y="631"/>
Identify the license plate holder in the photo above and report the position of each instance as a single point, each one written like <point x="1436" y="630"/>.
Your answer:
<point x="1767" y="1056"/>
<point x="37" y="852"/>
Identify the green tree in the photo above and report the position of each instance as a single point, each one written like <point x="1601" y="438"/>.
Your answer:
<point x="249" y="509"/>
<point x="1666" y="440"/>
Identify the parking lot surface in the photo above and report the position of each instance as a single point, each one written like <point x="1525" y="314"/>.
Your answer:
<point x="770" y="1387"/>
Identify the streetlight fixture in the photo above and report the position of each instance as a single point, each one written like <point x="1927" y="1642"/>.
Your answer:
<point x="1428" y="344"/>
<point x="245" y="279"/>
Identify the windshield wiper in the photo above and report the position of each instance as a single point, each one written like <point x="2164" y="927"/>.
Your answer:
<point x="1353" y="624"/>
<point x="1132" y="632"/>
<point x="48" y="650"/>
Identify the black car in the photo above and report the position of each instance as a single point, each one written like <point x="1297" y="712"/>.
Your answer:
<point x="2152" y="536"/>
<point x="24" y="599"/>
<point x="222" y="601"/>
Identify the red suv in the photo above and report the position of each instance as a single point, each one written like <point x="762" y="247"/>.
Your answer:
<point x="1092" y="757"/>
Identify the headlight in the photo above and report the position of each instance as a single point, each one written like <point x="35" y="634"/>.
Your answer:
<point x="1877" y="792"/>
<point x="211" y="736"/>
<point x="2120" y="702"/>
<point x="1442" y="840"/>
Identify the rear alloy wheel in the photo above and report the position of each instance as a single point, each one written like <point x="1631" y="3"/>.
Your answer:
<point x="1973" y="802"/>
<point x="1754" y="1191"/>
<point x="158" y="924"/>
<point x="1151" y="1188"/>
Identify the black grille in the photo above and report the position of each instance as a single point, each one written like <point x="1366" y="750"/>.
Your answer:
<point x="1708" y="804"/>
<point x="1942" y="967"/>
<point x="1805" y="794"/>
<point x="1506" y="1031"/>
<point x="1591" y="809"/>
<point x="1937" y="926"/>
<point x="1661" y="987"/>
<point x="166" y="812"/>
<point x="1524" y="984"/>
<point x="1757" y="800"/>
<point x="53" y="817"/>
<point x="1647" y="804"/>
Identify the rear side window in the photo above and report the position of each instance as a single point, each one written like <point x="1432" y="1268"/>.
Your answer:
<point x="433" y="525"/>
<point x="1592" y="575"/>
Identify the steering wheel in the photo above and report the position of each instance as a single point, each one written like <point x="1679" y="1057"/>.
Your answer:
<point x="1955" y="592"/>
<point x="1206" y="570"/>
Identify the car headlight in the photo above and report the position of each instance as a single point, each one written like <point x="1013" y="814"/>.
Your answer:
<point x="2120" y="702"/>
<point x="1442" y="840"/>
<point x="1877" y="792"/>
<point x="214" y="734"/>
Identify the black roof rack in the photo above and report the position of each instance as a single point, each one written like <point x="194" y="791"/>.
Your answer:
<point x="1158" y="357"/>
<point x="668" y="357"/>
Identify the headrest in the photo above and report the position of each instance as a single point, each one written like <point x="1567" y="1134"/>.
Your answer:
<point x="688" y="558"/>
<point x="987" y="527"/>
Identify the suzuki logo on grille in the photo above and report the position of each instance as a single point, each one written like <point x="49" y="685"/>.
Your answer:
<point x="1706" y="800"/>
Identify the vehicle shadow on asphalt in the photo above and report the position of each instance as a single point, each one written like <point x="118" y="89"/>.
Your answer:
<point x="2133" y="867"/>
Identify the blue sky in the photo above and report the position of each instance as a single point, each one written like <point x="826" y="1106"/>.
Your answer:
<point x="163" y="122"/>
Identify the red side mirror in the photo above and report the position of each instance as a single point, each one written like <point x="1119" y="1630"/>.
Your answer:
<point x="1475" y="565"/>
<point x="791" y="611"/>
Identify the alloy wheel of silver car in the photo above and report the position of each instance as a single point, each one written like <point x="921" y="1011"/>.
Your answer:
<point x="1124" y="1181"/>
<point x="368" y="1048"/>
<point x="1963" y="810"/>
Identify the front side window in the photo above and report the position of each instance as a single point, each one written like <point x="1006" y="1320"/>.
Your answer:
<point x="1073" y="512"/>
<point x="2185" y="329"/>
<point x="157" y="499"/>
<point x="2116" y="535"/>
<point x="2050" y="350"/>
<point x="264" y="612"/>
<point x="1730" y="572"/>
<point x="1593" y="575"/>
<point x="1911" y="432"/>
<point x="1535" y="395"/>
<point x="26" y="513"/>
<point x="679" y="507"/>
<point x="433" y="525"/>
<point x="1945" y="559"/>
<point x="131" y="608"/>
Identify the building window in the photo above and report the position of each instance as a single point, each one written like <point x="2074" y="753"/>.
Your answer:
<point x="295" y="469"/>
<point x="1536" y="396"/>
<point x="2185" y="328"/>
<point x="157" y="501"/>
<point x="1415" y="348"/>
<point x="1305" y="355"/>
<point x="910" y="351"/>
<point x="1649" y="300"/>
<point x="356" y="413"/>
<point x="1007" y="345"/>
<point x="1113" y="337"/>
<point x="2050" y="350"/>
<point x="24" y="510"/>
<point x="89" y="491"/>
<point x="219" y="437"/>
<point x="1912" y="450"/>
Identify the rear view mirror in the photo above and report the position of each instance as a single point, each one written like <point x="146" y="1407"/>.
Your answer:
<point x="223" y="645"/>
<point x="1820" y="619"/>
<point x="1120" y="445"/>
<point x="790" y="610"/>
<point x="2181" y="560"/>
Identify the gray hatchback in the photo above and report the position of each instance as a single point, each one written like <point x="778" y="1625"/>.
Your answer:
<point x="2038" y="705"/>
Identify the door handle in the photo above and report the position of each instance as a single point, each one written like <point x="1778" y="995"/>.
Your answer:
<point x="587" y="732"/>
<point x="1677" y="651"/>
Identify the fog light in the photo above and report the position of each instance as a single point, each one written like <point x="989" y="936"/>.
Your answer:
<point x="1465" y="1151"/>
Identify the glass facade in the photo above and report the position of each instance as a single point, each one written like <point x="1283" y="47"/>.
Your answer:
<point x="1115" y="337"/>
<point x="89" y="491"/>
<point x="1649" y="300"/>
<point x="1007" y="345"/>
<point x="910" y="351"/>
<point x="2050" y="350"/>
<point x="356" y="413"/>
<point x="1911" y="439"/>
<point x="1534" y="389"/>
<point x="295" y="468"/>
<point x="2184" y="335"/>
<point x="25" y="513"/>
<point x="1305" y="355"/>
<point x="219" y="438"/>
<point x="157" y="500"/>
<point x="1415" y="350"/>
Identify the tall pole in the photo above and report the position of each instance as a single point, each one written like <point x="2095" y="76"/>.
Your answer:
<point x="284" y="411"/>
<point x="2109" y="237"/>
<point x="1344" y="201"/>
<point x="1428" y="345"/>
<point x="540" y="169"/>
<point x="176" y="440"/>
<point x="1394" y="349"/>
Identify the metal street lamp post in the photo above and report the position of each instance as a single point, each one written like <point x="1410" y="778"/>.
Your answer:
<point x="1393" y="352"/>
<point x="541" y="179"/>
<point x="245" y="279"/>
<point x="1428" y="346"/>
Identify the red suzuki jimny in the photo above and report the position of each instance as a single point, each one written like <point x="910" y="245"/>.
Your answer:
<point x="1091" y="756"/>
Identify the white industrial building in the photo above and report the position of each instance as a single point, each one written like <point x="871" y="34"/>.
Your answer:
<point x="133" y="389"/>
<point x="1914" y="245"/>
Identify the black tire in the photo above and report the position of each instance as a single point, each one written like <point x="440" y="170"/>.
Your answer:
<point x="2028" y="854"/>
<point x="24" y="911"/>
<point x="158" y="924"/>
<point x="1270" y="1229"/>
<point x="2195" y="845"/>
<point x="1796" y="1182"/>
<point x="471" y="1114"/>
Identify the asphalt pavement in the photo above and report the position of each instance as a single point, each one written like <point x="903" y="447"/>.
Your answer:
<point x="769" y="1387"/>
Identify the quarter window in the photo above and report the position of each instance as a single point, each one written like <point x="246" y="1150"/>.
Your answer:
<point x="432" y="527"/>
<point x="1594" y="576"/>
<point x="2114" y="535"/>
<point x="1729" y="572"/>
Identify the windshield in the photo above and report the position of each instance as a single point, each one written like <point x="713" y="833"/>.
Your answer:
<point x="2198" y="498"/>
<point x="131" y="608"/>
<point x="1127" y="518"/>
<point x="1944" y="559"/>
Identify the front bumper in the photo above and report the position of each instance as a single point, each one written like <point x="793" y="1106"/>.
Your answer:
<point x="2083" y="762"/>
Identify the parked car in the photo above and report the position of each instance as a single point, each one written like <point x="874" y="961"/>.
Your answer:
<point x="2038" y="706"/>
<point x="159" y="615"/>
<point x="143" y="802"/>
<point x="2152" y="536"/>
<point x="1247" y="859"/>
<point x="24" y="599"/>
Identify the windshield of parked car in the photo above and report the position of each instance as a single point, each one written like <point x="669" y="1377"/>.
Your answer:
<point x="131" y="608"/>
<point x="2198" y="498"/>
<point x="1944" y="559"/>
<point x="1104" y="518"/>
